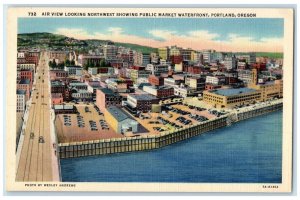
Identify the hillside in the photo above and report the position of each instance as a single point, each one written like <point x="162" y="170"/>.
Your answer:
<point x="45" y="40"/>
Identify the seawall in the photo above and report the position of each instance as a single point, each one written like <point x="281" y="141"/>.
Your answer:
<point x="130" y="144"/>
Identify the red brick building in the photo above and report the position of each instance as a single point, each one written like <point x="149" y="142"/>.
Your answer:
<point x="176" y="59"/>
<point x="106" y="97"/>
<point x="194" y="69"/>
<point x="61" y="87"/>
<point x="26" y="74"/>
<point x="57" y="98"/>
<point x="156" y="80"/>
<point x="24" y="84"/>
<point x="57" y="74"/>
<point x="209" y="86"/>
<point x="259" y="66"/>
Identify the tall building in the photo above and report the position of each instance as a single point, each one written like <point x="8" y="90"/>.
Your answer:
<point x="21" y="100"/>
<point x="110" y="51"/>
<point x="175" y="51"/>
<point x="138" y="58"/>
<point x="207" y="55"/>
<point x="164" y="53"/>
<point x="230" y="63"/>
<point x="186" y="54"/>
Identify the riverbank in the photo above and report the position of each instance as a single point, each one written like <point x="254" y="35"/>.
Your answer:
<point x="140" y="143"/>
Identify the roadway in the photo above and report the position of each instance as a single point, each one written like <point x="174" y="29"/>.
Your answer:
<point x="36" y="161"/>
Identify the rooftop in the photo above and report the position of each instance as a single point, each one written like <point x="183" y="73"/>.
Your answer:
<point x="24" y="81"/>
<point x="232" y="91"/>
<point x="57" y="83"/>
<point x="142" y="96"/>
<point x="77" y="83"/>
<point x="117" y="113"/>
<point x="21" y="91"/>
<point x="108" y="91"/>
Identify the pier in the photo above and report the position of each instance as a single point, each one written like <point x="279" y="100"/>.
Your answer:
<point x="140" y="143"/>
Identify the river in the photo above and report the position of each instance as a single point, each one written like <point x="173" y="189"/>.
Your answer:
<point x="246" y="152"/>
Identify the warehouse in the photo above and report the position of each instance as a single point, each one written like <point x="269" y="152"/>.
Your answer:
<point x="120" y="121"/>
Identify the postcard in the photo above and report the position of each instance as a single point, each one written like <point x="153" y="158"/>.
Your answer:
<point x="149" y="99"/>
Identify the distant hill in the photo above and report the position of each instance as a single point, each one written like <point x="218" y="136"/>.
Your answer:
<point x="269" y="54"/>
<point x="44" y="39"/>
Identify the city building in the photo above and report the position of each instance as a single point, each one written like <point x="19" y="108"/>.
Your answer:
<point x="110" y="52"/>
<point x="136" y="73"/>
<point x="60" y="87"/>
<point x="82" y="95"/>
<point x="92" y="87"/>
<point x="216" y="80"/>
<point x="26" y="74"/>
<point x="224" y="98"/>
<point x="206" y="53"/>
<point x="21" y="100"/>
<point x="57" y="98"/>
<point x="120" y="121"/>
<point x="91" y="60"/>
<point x="196" y="82"/>
<point x="73" y="70"/>
<point x="269" y="90"/>
<point x="156" y="80"/>
<point x="141" y="102"/>
<point x="58" y="56"/>
<point x="58" y="74"/>
<point x="29" y="66"/>
<point x="106" y="97"/>
<point x="230" y="63"/>
<point x="78" y="86"/>
<point x="24" y="84"/>
<point x="158" y="69"/>
<point x="93" y="70"/>
<point x="164" y="53"/>
<point x="185" y="91"/>
<point x="186" y="54"/>
<point x="159" y="92"/>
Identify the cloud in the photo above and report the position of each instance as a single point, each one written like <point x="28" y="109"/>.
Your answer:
<point x="198" y="39"/>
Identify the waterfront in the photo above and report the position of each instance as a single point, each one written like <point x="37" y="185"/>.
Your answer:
<point x="248" y="151"/>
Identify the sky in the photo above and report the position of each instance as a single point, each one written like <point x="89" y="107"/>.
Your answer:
<point x="237" y="34"/>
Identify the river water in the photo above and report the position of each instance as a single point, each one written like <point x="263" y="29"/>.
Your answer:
<point x="246" y="152"/>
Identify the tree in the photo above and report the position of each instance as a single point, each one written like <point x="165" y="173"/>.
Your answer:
<point x="87" y="65"/>
<point x="54" y="65"/>
<point x="67" y="62"/>
<point x="50" y="64"/>
<point x="102" y="63"/>
<point x="72" y="62"/>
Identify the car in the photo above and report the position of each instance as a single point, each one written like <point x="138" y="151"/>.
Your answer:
<point x="41" y="139"/>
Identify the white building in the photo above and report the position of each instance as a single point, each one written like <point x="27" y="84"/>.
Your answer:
<point x="230" y="63"/>
<point x="216" y="80"/>
<point x="21" y="100"/>
<point x="73" y="70"/>
<point x="83" y="95"/>
<point x="184" y="91"/>
<point x="26" y="66"/>
<point x="110" y="51"/>
<point x="93" y="70"/>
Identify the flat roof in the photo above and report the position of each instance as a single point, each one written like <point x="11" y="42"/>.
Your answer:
<point x="77" y="83"/>
<point x="108" y="91"/>
<point x="57" y="83"/>
<point x="142" y="96"/>
<point x="232" y="91"/>
<point x="21" y="91"/>
<point x="24" y="81"/>
<point x="117" y="113"/>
